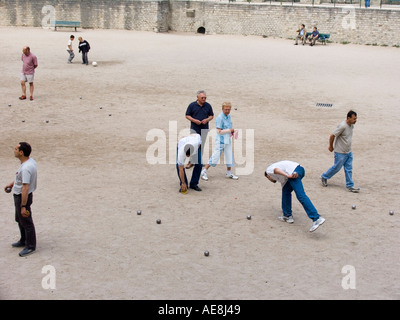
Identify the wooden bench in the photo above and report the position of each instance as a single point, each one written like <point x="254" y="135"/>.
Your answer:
<point x="322" y="37"/>
<point x="65" y="24"/>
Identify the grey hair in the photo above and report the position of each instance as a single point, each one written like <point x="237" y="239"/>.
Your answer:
<point x="200" y="92"/>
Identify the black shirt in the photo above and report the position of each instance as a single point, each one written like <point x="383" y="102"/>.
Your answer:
<point x="199" y="112"/>
<point x="84" y="46"/>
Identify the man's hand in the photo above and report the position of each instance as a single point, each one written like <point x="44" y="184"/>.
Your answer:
<point x="24" y="212"/>
<point x="294" y="175"/>
<point x="183" y="187"/>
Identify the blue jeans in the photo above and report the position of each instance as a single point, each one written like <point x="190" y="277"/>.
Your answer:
<point x="297" y="186"/>
<point x="194" y="181"/>
<point x="342" y="160"/>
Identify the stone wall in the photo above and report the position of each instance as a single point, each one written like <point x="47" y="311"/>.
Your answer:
<point x="345" y="23"/>
<point x="103" y="14"/>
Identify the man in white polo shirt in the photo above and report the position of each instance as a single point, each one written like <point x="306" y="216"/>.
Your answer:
<point x="289" y="174"/>
<point x="187" y="147"/>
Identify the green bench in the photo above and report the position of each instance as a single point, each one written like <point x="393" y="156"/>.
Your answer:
<point x="322" y="37"/>
<point x="65" y="24"/>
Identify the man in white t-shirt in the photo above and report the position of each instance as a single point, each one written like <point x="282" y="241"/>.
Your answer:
<point x="69" y="49"/>
<point x="290" y="174"/>
<point x="187" y="147"/>
<point x="23" y="187"/>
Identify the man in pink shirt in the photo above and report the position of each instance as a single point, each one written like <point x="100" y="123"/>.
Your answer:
<point x="29" y="64"/>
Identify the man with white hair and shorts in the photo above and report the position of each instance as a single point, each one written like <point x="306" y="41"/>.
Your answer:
<point x="29" y="64"/>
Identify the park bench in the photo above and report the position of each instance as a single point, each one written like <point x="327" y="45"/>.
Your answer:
<point x="390" y="1"/>
<point x="322" y="37"/>
<point x="65" y="24"/>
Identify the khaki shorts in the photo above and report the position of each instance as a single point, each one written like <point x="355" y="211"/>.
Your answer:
<point x="27" y="77"/>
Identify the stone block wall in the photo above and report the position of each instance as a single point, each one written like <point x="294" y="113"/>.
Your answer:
<point x="102" y="14"/>
<point x="345" y="24"/>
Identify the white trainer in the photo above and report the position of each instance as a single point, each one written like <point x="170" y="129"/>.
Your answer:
<point x="286" y="219"/>
<point x="204" y="175"/>
<point x="317" y="223"/>
<point x="231" y="176"/>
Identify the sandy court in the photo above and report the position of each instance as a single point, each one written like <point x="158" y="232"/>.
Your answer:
<point x="88" y="129"/>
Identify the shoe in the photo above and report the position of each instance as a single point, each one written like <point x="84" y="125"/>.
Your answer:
<point x="354" y="190"/>
<point x="31" y="98"/>
<point x="196" y="188"/>
<point x="18" y="244"/>
<point x="22" y="97"/>
<point x="317" y="223"/>
<point x="231" y="176"/>
<point x="286" y="219"/>
<point x="26" y="252"/>
<point x="204" y="175"/>
<point x="324" y="182"/>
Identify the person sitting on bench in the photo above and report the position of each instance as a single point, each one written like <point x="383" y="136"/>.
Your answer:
<point x="301" y="34"/>
<point x="314" y="36"/>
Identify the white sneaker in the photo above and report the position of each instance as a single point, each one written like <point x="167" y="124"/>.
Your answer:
<point x="317" y="223"/>
<point x="286" y="219"/>
<point x="231" y="176"/>
<point x="204" y="175"/>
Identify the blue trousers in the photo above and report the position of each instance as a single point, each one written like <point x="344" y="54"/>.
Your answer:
<point x="342" y="160"/>
<point x="296" y="185"/>
<point x="194" y="181"/>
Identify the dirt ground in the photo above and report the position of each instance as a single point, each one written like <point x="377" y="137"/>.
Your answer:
<point x="94" y="129"/>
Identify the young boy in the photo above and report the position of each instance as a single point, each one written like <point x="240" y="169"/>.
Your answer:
<point x="69" y="49"/>
<point x="84" y="47"/>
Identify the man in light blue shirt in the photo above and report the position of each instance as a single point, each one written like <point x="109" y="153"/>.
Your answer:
<point x="223" y="143"/>
<point x="301" y="34"/>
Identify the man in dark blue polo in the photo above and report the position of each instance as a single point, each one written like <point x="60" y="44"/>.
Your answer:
<point x="199" y="113"/>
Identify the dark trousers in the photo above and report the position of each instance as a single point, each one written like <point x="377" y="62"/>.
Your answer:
<point x="194" y="181"/>
<point x="85" y="57"/>
<point x="26" y="226"/>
